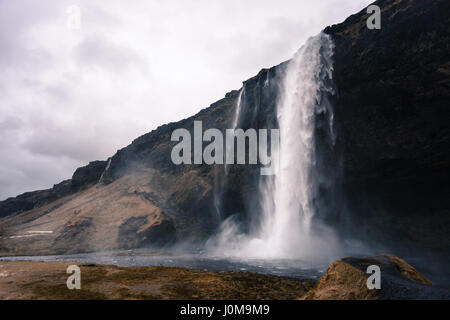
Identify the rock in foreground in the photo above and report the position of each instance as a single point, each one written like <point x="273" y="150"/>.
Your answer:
<point x="346" y="279"/>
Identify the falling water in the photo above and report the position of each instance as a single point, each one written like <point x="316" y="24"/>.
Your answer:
<point x="220" y="177"/>
<point x="234" y="125"/>
<point x="287" y="228"/>
<point x="288" y="206"/>
<point x="238" y="109"/>
<point x="102" y="176"/>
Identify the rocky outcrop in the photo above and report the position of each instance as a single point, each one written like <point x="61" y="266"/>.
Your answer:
<point x="346" y="279"/>
<point x="86" y="176"/>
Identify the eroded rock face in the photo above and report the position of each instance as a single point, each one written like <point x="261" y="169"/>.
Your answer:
<point x="140" y="232"/>
<point x="87" y="175"/>
<point x="119" y="215"/>
<point x="346" y="279"/>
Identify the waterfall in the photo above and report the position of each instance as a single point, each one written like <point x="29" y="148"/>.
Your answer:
<point x="102" y="176"/>
<point x="220" y="177"/>
<point x="288" y="198"/>
<point x="238" y="109"/>
<point x="235" y="123"/>
<point x="286" y="226"/>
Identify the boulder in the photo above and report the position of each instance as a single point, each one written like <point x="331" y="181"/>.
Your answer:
<point x="346" y="279"/>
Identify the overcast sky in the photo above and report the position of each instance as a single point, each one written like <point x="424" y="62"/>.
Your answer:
<point x="72" y="95"/>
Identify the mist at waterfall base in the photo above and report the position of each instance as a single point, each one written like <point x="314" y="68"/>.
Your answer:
<point x="285" y="227"/>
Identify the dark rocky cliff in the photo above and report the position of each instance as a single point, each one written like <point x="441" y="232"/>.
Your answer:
<point x="392" y="114"/>
<point x="390" y="165"/>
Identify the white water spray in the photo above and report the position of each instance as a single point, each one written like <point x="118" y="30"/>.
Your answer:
<point x="286" y="229"/>
<point x="238" y="109"/>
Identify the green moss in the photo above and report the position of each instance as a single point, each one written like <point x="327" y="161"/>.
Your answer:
<point x="60" y="292"/>
<point x="151" y="283"/>
<point x="127" y="294"/>
<point x="181" y="291"/>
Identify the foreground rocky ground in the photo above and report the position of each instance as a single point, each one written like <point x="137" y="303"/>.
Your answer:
<point x="47" y="280"/>
<point x="344" y="279"/>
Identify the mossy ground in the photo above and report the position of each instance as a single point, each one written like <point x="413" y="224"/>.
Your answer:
<point x="99" y="282"/>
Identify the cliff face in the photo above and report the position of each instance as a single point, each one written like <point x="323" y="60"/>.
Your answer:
<point x="392" y="114"/>
<point x="390" y="166"/>
<point x="394" y="90"/>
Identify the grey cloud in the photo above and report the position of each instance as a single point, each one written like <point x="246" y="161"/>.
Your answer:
<point x="104" y="53"/>
<point x="16" y="19"/>
<point x="9" y="124"/>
